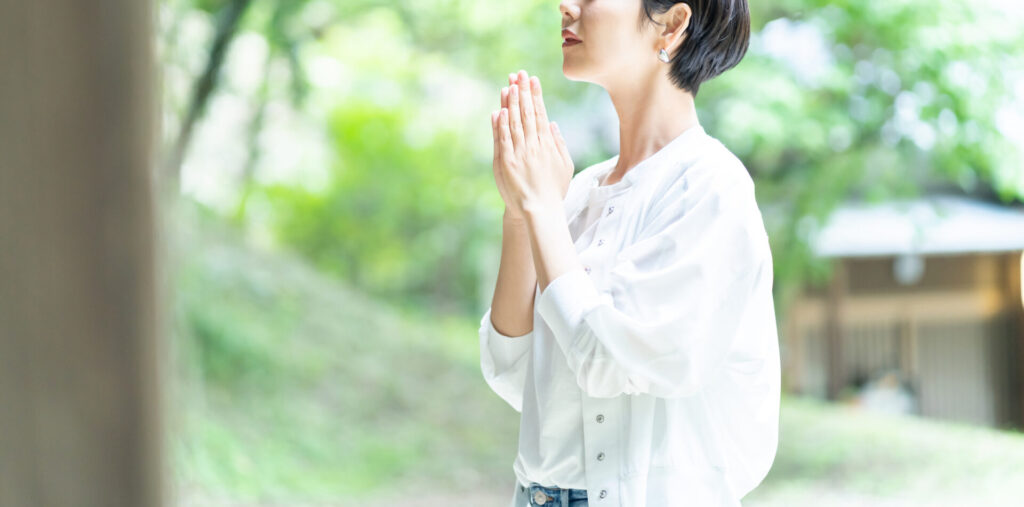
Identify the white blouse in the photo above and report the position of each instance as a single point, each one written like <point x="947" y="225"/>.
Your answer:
<point x="652" y="376"/>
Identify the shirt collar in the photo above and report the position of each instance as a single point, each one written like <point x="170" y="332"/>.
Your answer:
<point x="683" y="141"/>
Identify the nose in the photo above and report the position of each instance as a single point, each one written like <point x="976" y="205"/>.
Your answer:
<point x="569" y="9"/>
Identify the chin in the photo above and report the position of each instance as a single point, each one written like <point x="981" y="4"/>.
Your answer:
<point x="571" y="73"/>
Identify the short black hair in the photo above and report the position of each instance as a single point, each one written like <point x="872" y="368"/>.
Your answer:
<point x="717" y="38"/>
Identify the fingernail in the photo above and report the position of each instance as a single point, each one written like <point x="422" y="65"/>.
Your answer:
<point x="511" y="77"/>
<point x="535" y="81"/>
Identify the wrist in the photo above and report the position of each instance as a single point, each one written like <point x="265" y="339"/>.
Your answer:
<point x="542" y="209"/>
<point x="513" y="219"/>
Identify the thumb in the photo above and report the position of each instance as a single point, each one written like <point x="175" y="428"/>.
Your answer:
<point x="563" y="150"/>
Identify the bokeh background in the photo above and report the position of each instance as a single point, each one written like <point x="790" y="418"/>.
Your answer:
<point x="336" y="233"/>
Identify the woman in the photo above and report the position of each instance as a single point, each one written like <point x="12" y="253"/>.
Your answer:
<point x="632" y="322"/>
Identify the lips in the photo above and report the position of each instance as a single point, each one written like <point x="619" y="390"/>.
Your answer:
<point x="569" y="38"/>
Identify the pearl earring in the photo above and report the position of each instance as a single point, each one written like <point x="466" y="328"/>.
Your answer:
<point x="663" y="55"/>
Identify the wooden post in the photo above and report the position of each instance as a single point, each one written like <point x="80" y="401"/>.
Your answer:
<point x="795" y="372"/>
<point x="834" y="328"/>
<point x="1015" y="307"/>
<point x="908" y="349"/>
<point x="80" y="390"/>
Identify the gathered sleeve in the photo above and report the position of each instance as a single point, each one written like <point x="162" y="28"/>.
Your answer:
<point x="503" y="361"/>
<point x="673" y="300"/>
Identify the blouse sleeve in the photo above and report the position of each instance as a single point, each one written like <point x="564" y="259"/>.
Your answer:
<point x="674" y="299"/>
<point x="503" y="360"/>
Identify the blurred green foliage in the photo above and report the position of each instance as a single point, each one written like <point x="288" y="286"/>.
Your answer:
<point x="308" y="391"/>
<point x="834" y="100"/>
<point x="398" y="218"/>
<point x="888" y="100"/>
<point x="292" y="387"/>
<point x="289" y="386"/>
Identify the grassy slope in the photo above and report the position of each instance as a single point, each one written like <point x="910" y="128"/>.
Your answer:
<point x="835" y="455"/>
<point x="292" y="386"/>
<point x="303" y="388"/>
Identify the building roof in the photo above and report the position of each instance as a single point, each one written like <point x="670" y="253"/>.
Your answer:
<point x="932" y="224"/>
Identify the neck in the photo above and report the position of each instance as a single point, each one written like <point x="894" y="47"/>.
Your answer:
<point x="650" y="116"/>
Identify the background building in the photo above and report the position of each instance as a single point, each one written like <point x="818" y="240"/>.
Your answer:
<point x="923" y="314"/>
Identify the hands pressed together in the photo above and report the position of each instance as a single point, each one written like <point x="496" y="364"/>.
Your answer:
<point x="532" y="166"/>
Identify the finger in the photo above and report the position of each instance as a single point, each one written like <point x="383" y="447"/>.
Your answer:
<point x="496" y="166"/>
<point x="508" y="175"/>
<point x="494" y="133"/>
<point x="505" y="142"/>
<point x="526" y="107"/>
<point x="515" y="120"/>
<point x="563" y="150"/>
<point x="504" y="97"/>
<point x="505" y="135"/>
<point x="538" y="102"/>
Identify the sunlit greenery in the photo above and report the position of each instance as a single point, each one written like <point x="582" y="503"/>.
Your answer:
<point x="295" y="388"/>
<point x="353" y="137"/>
<point x="834" y="100"/>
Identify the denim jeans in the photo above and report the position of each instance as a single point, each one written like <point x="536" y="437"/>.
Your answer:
<point x="555" y="497"/>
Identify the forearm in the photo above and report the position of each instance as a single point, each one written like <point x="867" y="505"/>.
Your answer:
<point x="512" y="304"/>
<point x="552" y="247"/>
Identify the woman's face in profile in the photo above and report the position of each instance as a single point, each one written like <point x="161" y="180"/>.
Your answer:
<point x="611" y="47"/>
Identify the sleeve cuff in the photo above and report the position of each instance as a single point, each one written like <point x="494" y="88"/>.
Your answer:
<point x="565" y="301"/>
<point x="504" y="347"/>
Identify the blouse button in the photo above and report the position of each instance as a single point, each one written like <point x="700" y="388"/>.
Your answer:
<point x="600" y="242"/>
<point x="600" y="418"/>
<point x="587" y="269"/>
<point x="604" y="493"/>
<point x="610" y="209"/>
<point x="600" y="456"/>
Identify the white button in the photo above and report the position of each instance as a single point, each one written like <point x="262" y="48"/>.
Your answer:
<point x="610" y="209"/>
<point x="604" y="493"/>
<point x="586" y="268"/>
<point x="600" y="418"/>
<point x="600" y="242"/>
<point x="600" y="456"/>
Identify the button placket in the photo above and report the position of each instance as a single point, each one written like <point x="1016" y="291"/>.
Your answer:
<point x="606" y="223"/>
<point x="599" y="432"/>
<point x="601" y="425"/>
<point x="603" y="225"/>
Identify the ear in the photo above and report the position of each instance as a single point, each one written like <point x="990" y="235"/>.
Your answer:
<point x="674" y="21"/>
